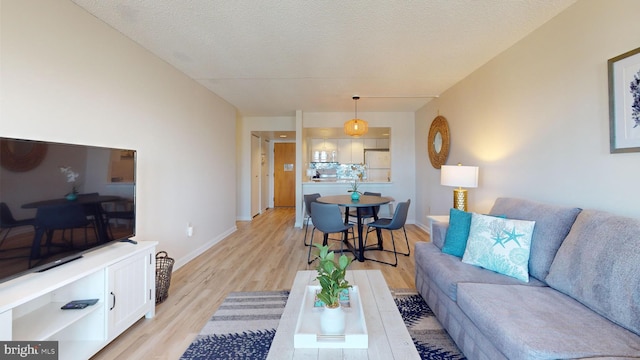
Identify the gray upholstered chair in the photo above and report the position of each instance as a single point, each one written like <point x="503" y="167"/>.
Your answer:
<point x="397" y="222"/>
<point x="327" y="218"/>
<point x="57" y="217"/>
<point x="8" y="222"/>
<point x="366" y="213"/>
<point x="308" y="199"/>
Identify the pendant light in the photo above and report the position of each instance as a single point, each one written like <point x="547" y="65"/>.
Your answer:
<point x="355" y="126"/>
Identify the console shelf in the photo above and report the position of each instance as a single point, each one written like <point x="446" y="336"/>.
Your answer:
<point x="50" y="319"/>
<point x="121" y="276"/>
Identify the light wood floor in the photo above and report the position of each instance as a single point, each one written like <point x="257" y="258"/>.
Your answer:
<point x="263" y="255"/>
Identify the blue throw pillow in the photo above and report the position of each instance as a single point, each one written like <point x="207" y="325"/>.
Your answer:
<point x="455" y="242"/>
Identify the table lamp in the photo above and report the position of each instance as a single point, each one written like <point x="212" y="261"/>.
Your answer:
<point x="459" y="176"/>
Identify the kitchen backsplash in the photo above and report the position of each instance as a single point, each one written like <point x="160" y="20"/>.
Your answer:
<point x="339" y="171"/>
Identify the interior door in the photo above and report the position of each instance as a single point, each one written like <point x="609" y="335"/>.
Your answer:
<point x="284" y="179"/>
<point x="264" y="182"/>
<point x="256" y="158"/>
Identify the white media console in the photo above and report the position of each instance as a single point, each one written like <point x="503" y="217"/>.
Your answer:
<point x="121" y="276"/>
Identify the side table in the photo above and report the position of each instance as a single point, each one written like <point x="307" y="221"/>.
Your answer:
<point x="436" y="218"/>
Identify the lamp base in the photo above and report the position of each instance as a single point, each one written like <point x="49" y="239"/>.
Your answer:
<point x="460" y="199"/>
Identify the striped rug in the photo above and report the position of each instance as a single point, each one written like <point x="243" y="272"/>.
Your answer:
<point x="244" y="325"/>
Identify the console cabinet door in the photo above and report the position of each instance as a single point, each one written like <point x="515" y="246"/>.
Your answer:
<point x="131" y="292"/>
<point x="5" y="326"/>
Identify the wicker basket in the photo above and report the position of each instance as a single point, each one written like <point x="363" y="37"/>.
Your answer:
<point x="164" y="267"/>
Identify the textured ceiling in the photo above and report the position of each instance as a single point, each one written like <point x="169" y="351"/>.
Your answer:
<point x="271" y="58"/>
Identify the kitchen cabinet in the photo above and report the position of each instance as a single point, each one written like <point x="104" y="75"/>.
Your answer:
<point x="323" y="149"/>
<point x="357" y="151"/>
<point x="370" y="143"/>
<point x="382" y="143"/>
<point x="344" y="151"/>
<point x="348" y="151"/>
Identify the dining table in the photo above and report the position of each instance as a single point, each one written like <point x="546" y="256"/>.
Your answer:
<point x="365" y="201"/>
<point x="92" y="205"/>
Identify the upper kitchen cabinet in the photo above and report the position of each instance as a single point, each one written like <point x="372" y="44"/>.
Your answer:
<point x="324" y="150"/>
<point x="344" y="151"/>
<point x="382" y="143"/>
<point x="357" y="151"/>
<point x="332" y="145"/>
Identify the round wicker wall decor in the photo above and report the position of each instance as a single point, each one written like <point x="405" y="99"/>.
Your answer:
<point x="20" y="156"/>
<point x="438" y="142"/>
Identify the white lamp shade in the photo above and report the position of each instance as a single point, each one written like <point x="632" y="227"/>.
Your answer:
<point x="459" y="176"/>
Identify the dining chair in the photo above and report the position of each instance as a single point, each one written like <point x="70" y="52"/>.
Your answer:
<point x="327" y="218"/>
<point x="366" y="213"/>
<point x="8" y="222"/>
<point x="116" y="211"/>
<point x="308" y="199"/>
<point x="57" y="217"/>
<point x="397" y="222"/>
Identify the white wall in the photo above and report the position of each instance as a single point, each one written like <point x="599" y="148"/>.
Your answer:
<point x="535" y="118"/>
<point x="68" y="77"/>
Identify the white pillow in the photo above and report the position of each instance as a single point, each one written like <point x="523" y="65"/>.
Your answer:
<point x="500" y="245"/>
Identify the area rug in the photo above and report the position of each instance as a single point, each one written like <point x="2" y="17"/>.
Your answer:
<point x="244" y="325"/>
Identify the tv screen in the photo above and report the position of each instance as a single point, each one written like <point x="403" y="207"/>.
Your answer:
<point x="58" y="201"/>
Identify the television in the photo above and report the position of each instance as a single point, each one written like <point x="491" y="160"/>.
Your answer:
<point x="59" y="201"/>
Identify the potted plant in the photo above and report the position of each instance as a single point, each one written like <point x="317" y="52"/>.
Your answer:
<point x="331" y="276"/>
<point x="355" y="194"/>
<point x="72" y="176"/>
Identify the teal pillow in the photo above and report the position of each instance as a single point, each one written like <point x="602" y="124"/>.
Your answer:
<point x="500" y="245"/>
<point x="455" y="241"/>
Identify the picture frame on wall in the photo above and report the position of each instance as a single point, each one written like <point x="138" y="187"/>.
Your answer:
<point x="624" y="102"/>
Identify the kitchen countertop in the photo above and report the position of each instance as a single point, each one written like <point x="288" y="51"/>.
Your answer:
<point x="343" y="182"/>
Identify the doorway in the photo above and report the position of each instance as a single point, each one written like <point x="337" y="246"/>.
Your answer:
<point x="255" y="175"/>
<point x="284" y="179"/>
<point x="265" y="184"/>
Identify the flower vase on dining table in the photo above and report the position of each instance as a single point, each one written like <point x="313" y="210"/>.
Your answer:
<point x="355" y="194"/>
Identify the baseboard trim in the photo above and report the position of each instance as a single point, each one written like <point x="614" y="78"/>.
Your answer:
<point x="206" y="246"/>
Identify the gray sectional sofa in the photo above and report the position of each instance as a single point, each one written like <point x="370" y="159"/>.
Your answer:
<point x="582" y="299"/>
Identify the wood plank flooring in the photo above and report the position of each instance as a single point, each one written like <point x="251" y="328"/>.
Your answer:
<point x="263" y="255"/>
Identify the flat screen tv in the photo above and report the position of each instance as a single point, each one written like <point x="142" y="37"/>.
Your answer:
<point x="59" y="201"/>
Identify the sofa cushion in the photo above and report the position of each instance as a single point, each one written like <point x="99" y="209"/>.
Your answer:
<point x="447" y="271"/>
<point x="552" y="226"/>
<point x="458" y="232"/>
<point x="599" y="265"/>
<point x="526" y="322"/>
<point x="501" y="245"/>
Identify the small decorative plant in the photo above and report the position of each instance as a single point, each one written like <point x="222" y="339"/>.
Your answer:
<point x="331" y="276"/>
<point x="72" y="176"/>
<point x="354" y="186"/>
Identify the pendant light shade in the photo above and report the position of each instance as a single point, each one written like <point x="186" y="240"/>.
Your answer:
<point x="355" y="126"/>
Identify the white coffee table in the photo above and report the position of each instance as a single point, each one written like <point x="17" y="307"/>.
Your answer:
<point x="388" y="335"/>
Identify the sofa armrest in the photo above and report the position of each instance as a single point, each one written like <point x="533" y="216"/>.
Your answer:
<point x="438" y="233"/>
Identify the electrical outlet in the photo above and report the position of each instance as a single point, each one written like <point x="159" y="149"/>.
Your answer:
<point x="189" y="230"/>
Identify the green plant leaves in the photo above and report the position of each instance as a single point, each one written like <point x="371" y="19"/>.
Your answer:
<point x="331" y="276"/>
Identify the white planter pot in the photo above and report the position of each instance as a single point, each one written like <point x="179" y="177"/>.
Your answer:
<point x="332" y="321"/>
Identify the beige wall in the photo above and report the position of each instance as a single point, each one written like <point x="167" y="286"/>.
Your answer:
<point x="68" y="77"/>
<point x="535" y="118"/>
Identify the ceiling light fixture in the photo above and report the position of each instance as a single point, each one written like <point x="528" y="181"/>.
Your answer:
<point x="355" y="126"/>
